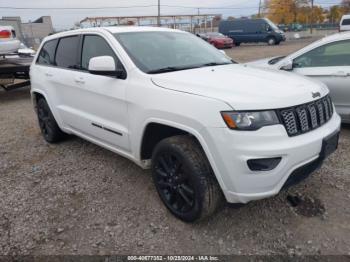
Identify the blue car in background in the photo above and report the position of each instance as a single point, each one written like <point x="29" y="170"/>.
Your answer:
<point x="252" y="31"/>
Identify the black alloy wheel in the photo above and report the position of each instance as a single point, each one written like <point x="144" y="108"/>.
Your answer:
<point x="184" y="179"/>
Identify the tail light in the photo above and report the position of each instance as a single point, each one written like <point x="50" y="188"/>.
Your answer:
<point x="5" y="34"/>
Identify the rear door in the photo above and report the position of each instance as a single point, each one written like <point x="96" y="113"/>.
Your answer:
<point x="100" y="100"/>
<point x="42" y="73"/>
<point x="329" y="63"/>
<point x="63" y="85"/>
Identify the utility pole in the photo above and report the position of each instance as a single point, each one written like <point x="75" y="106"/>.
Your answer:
<point x="259" y="14"/>
<point x="158" y="20"/>
<point x="312" y="17"/>
<point x="198" y="21"/>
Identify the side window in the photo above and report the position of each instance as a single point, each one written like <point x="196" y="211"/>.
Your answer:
<point x="346" y="22"/>
<point x="47" y="53"/>
<point x="266" y="27"/>
<point x="93" y="46"/>
<point x="333" y="54"/>
<point x="67" y="51"/>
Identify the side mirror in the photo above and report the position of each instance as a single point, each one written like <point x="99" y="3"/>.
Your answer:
<point x="223" y="51"/>
<point x="105" y="66"/>
<point x="287" y="65"/>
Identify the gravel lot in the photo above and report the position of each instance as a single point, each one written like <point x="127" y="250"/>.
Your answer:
<point x="77" y="198"/>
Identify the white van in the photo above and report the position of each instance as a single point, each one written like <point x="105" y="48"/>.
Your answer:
<point x="345" y="23"/>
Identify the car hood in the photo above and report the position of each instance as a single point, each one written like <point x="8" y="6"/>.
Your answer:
<point x="262" y="62"/>
<point x="243" y="87"/>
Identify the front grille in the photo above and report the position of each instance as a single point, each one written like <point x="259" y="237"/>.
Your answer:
<point x="305" y="118"/>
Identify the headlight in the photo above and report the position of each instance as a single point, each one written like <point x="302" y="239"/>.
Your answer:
<point x="250" y="120"/>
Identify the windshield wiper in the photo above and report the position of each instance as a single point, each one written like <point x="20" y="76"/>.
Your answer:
<point x="214" y="64"/>
<point x="179" y="68"/>
<point x="170" y="69"/>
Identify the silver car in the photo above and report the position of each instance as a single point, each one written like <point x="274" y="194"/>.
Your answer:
<point x="327" y="60"/>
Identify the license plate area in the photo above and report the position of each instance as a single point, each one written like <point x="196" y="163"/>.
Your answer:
<point x="330" y="144"/>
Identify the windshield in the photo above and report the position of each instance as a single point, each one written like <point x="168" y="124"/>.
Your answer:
<point x="273" y="26"/>
<point x="160" y="52"/>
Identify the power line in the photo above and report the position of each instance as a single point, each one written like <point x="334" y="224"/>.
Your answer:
<point x="75" y="8"/>
<point x="148" y="6"/>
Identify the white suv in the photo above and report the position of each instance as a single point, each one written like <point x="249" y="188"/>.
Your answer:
<point x="345" y="23"/>
<point x="207" y="127"/>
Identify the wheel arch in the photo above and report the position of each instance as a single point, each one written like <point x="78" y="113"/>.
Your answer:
<point x="271" y="37"/>
<point x="178" y="129"/>
<point x="36" y="95"/>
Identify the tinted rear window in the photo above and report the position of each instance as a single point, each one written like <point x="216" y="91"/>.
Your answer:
<point x="47" y="53"/>
<point x="346" y="22"/>
<point x="67" y="52"/>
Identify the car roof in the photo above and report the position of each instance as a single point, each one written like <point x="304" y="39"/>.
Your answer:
<point x="321" y="42"/>
<point x="113" y="30"/>
<point x="346" y="16"/>
<point x="336" y="37"/>
<point x="6" y="27"/>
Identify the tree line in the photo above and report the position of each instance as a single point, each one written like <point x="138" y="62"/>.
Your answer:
<point x="301" y="11"/>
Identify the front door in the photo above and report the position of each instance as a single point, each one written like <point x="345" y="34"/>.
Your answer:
<point x="103" y="107"/>
<point x="91" y="105"/>
<point x="330" y="64"/>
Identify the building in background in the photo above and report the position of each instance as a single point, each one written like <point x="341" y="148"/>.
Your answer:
<point x="31" y="33"/>
<point x="191" y="23"/>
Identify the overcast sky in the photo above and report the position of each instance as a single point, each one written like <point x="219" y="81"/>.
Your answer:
<point x="66" y="18"/>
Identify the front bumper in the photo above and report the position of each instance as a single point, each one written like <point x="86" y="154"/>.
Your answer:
<point x="224" y="45"/>
<point x="230" y="150"/>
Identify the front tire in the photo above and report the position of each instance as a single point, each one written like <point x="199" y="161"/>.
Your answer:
<point x="184" y="179"/>
<point x="48" y="125"/>
<point x="271" y="41"/>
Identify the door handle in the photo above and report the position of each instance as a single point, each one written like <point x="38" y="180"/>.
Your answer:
<point x="48" y="75"/>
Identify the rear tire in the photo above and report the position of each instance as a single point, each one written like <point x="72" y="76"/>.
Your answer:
<point x="184" y="179"/>
<point x="48" y="125"/>
<point x="237" y="44"/>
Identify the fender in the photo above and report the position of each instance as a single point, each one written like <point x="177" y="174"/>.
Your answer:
<point x="189" y="130"/>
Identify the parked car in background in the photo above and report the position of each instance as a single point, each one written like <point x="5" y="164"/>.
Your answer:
<point x="208" y="128"/>
<point x="328" y="61"/>
<point x="8" y="40"/>
<point x="291" y="27"/>
<point x="252" y="31"/>
<point x="218" y="40"/>
<point x="345" y="23"/>
<point x="25" y="51"/>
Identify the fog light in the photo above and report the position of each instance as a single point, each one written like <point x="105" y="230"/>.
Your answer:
<point x="264" y="164"/>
